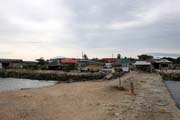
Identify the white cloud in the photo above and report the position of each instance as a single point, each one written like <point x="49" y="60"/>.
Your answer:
<point x="30" y="29"/>
<point x="153" y="14"/>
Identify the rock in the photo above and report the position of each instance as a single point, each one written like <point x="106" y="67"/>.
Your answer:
<point x="162" y="110"/>
<point x="25" y="96"/>
<point x="98" y="103"/>
<point x="116" y="114"/>
<point x="110" y="109"/>
<point x="109" y="76"/>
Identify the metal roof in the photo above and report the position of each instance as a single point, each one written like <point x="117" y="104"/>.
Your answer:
<point x="11" y="60"/>
<point x="163" y="61"/>
<point x="142" y="63"/>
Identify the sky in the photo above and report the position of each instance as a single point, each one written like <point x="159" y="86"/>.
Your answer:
<point x="48" y="28"/>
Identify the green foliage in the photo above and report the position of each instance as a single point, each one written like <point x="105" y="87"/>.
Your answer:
<point x="174" y="60"/>
<point x="145" y="57"/>
<point x="53" y="62"/>
<point x="95" y="59"/>
<point x="42" y="63"/>
<point x="85" y="57"/>
<point x="118" y="56"/>
<point x="30" y="67"/>
<point x="98" y="60"/>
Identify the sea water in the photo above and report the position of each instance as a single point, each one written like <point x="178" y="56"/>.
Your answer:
<point x="174" y="89"/>
<point x="8" y="84"/>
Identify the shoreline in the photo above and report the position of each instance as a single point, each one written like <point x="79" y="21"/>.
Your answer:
<point x="13" y="84"/>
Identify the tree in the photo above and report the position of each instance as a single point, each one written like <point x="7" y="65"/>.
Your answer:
<point x="173" y="60"/>
<point x="170" y="59"/>
<point x="42" y="63"/>
<point x="85" y="57"/>
<point x="95" y="59"/>
<point x="178" y="58"/>
<point x="145" y="57"/>
<point x="118" y="56"/>
<point x="177" y="61"/>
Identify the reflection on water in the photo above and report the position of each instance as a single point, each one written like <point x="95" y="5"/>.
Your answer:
<point x="174" y="88"/>
<point x="7" y="84"/>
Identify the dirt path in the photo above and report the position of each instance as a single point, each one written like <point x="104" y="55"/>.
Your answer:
<point x="99" y="100"/>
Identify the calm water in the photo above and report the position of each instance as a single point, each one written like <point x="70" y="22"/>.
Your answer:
<point x="174" y="88"/>
<point x="8" y="84"/>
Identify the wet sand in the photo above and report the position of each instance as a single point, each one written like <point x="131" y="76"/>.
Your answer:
<point x="93" y="100"/>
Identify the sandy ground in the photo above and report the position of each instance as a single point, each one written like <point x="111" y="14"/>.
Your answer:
<point x="97" y="100"/>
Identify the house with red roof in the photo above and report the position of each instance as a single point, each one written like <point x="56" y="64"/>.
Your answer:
<point x="69" y="61"/>
<point x="109" y="60"/>
<point x="62" y="63"/>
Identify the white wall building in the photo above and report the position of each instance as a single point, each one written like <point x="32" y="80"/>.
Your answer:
<point x="143" y="66"/>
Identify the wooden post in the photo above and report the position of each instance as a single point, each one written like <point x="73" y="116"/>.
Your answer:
<point x="120" y="85"/>
<point x="132" y="89"/>
<point x="119" y="82"/>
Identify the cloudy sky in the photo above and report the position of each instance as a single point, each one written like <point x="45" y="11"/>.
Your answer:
<point x="48" y="28"/>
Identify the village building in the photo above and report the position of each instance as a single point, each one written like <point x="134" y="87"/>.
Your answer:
<point x="89" y="65"/>
<point x="162" y="64"/>
<point x="108" y="65"/>
<point x="62" y="64"/>
<point x="55" y="63"/>
<point x="145" y="57"/>
<point x="109" y="60"/>
<point x="143" y="66"/>
<point x="69" y="63"/>
<point x="11" y="63"/>
<point x="176" y="66"/>
<point x="124" y="64"/>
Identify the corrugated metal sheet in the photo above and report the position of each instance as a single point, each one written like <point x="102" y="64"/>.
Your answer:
<point x="142" y="63"/>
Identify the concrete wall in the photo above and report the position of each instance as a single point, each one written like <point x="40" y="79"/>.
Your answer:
<point x="125" y="67"/>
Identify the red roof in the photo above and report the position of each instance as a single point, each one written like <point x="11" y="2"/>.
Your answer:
<point x="69" y="60"/>
<point x="110" y="59"/>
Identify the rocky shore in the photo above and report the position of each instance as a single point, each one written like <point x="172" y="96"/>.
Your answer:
<point x="173" y="75"/>
<point x="51" y="75"/>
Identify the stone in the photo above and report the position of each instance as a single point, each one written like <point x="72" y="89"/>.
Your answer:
<point x="116" y="114"/>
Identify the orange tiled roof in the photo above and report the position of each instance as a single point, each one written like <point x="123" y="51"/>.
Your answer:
<point x="69" y="60"/>
<point x="110" y="59"/>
